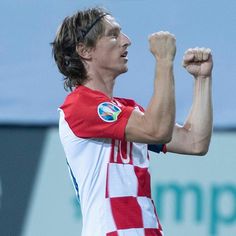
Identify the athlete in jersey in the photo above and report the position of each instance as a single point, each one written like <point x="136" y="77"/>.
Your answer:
<point x="106" y="139"/>
<point x="111" y="175"/>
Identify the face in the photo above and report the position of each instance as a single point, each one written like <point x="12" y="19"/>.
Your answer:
<point x="110" y="53"/>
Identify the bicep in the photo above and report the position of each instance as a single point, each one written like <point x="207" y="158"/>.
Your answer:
<point x="186" y="140"/>
<point x="181" y="141"/>
<point x="139" y="129"/>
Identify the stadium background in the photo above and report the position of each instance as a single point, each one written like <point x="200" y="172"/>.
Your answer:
<point x="194" y="196"/>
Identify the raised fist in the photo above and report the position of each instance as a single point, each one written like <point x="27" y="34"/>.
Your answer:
<point x="162" y="45"/>
<point x="198" y="62"/>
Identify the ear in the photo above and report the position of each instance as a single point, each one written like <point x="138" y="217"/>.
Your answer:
<point x="83" y="51"/>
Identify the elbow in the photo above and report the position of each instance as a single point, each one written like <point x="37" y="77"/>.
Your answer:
<point x="200" y="146"/>
<point x="166" y="130"/>
<point x="201" y="151"/>
<point x="167" y="133"/>
<point x="163" y="136"/>
<point x="167" y="137"/>
<point x="201" y="154"/>
<point x="160" y="132"/>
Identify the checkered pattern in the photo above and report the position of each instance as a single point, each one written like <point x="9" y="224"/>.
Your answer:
<point x="130" y="209"/>
<point x="111" y="176"/>
<point x="139" y="232"/>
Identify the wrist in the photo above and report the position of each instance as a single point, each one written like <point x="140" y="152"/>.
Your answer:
<point x="165" y="62"/>
<point x="203" y="76"/>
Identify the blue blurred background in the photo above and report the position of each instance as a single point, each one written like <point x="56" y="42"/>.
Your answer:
<point x="36" y="196"/>
<point x="31" y="87"/>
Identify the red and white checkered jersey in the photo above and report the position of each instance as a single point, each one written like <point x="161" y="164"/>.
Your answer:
<point x="111" y="175"/>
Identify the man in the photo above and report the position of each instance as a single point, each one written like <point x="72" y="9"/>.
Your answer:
<point x="105" y="138"/>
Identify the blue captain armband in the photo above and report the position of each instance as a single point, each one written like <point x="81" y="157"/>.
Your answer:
<point x="157" y="148"/>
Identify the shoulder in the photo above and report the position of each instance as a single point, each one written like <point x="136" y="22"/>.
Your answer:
<point x="129" y="103"/>
<point x="82" y="98"/>
<point x="92" y="114"/>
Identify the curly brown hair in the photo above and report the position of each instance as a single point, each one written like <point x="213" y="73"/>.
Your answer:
<point x="83" y="27"/>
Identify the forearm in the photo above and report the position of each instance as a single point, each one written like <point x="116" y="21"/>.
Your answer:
<point x="198" y="124"/>
<point x="200" y="119"/>
<point x="161" y="109"/>
<point x="194" y="136"/>
<point x="156" y="124"/>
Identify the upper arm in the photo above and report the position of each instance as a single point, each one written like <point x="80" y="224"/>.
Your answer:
<point x="93" y="116"/>
<point x="140" y="129"/>
<point x="187" y="141"/>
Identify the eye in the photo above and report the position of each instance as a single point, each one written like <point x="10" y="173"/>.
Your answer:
<point x="114" y="33"/>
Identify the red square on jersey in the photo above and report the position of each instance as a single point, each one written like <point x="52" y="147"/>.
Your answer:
<point x="152" y="232"/>
<point x="112" y="234"/>
<point x="143" y="178"/>
<point x="126" y="212"/>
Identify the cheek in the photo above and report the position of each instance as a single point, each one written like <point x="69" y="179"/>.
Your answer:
<point x="108" y="51"/>
<point x="111" y="48"/>
<point x="112" y="45"/>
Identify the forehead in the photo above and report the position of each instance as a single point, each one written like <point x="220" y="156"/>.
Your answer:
<point x="110" y="23"/>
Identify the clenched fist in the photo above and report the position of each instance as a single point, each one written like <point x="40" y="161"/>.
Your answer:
<point x="162" y="45"/>
<point x="198" y="62"/>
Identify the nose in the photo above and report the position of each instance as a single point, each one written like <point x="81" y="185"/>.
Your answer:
<point x="127" y="41"/>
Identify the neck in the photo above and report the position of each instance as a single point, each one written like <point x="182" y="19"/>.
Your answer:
<point x="103" y="84"/>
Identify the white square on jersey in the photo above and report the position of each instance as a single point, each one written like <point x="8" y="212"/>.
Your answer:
<point x="122" y="175"/>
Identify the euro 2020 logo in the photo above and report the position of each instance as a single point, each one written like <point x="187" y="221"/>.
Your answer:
<point x="108" y="111"/>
